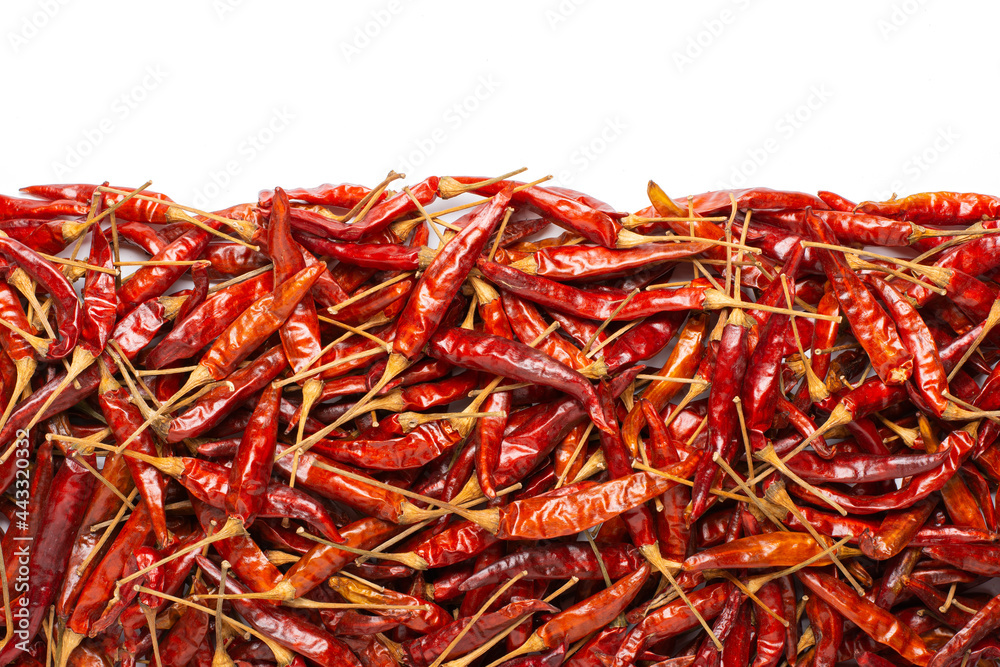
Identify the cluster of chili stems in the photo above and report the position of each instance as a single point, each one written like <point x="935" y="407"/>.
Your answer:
<point x="370" y="432"/>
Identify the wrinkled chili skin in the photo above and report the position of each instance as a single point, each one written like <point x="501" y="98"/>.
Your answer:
<point x="590" y="262"/>
<point x="251" y="470"/>
<point x="17" y="207"/>
<point x="140" y="210"/>
<point x="779" y="549"/>
<point x="341" y="195"/>
<point x="828" y="628"/>
<point x="936" y="208"/>
<point x="558" y="561"/>
<point x="849" y="468"/>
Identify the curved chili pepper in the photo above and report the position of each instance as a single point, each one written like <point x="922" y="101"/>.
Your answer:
<point x="48" y="236"/>
<point x="850" y="468"/>
<point x="493" y="354"/>
<point x="67" y="305"/>
<point x="588" y="615"/>
<point x="381" y="256"/>
<point x="719" y="201"/>
<point x="251" y="470"/>
<point x="851" y="227"/>
<point x="417" y="448"/>
<point x="527" y="324"/>
<point x="642" y="342"/>
<point x="423" y="621"/>
<point x="770" y="631"/>
<point x="828" y="629"/>
<point x="593" y="304"/>
<point x="594" y="224"/>
<point x="959" y="443"/>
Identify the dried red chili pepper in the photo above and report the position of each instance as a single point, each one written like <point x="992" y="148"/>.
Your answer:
<point x="251" y="470"/>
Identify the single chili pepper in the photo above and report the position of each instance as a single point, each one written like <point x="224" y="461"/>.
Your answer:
<point x="285" y="626"/>
<point x="251" y="328"/>
<point x="770" y="631"/>
<point x="251" y="470"/>
<point x="588" y="615"/>
<point x="342" y="195"/>
<point x="16" y="207"/>
<point x="874" y="621"/>
<point x="962" y="506"/>
<point x="871" y="326"/>
<point x="546" y="518"/>
<point x="209" y="410"/>
<point x="948" y="208"/>
<point x="837" y="526"/>
<point x="141" y="210"/>
<point x="99" y="297"/>
<point x="493" y="354"/>
<point x="417" y="448"/>
<point x="441" y="280"/>
<point x="828" y="629"/>
<point x="123" y="418"/>
<point x="719" y="201"/>
<point x="181" y="642"/>
<point x="851" y="227"/>
<point x="603" y="304"/>
<point x="67" y="305"/>
<point x="850" y="468"/>
<point x="643" y="341"/>
<point x="48" y="236"/>
<point x="582" y="262"/>
<point x="381" y="256"/>
<point x="103" y="506"/>
<point x="780" y="549"/>
<point x="594" y="224"/>
<point x="558" y="561"/>
<point x="248" y="561"/>
<point x="836" y="202"/>
<point x="672" y="619"/>
<point x="959" y="443"/>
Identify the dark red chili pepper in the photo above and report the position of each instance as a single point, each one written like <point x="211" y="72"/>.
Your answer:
<point x="850" y="468"/>
<point x="417" y="448"/>
<point x="582" y="262"/>
<point x="851" y="227"/>
<point x="342" y="195"/>
<point x="828" y="629"/>
<point x="980" y="626"/>
<point x="558" y="561"/>
<point x="250" y="473"/>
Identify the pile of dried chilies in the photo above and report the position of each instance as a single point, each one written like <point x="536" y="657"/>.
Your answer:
<point x="370" y="432"/>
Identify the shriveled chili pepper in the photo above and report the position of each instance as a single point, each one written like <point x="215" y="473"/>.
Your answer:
<point x="850" y="468"/>
<point x="141" y="210"/>
<point x="251" y="470"/>
<point x="936" y="207"/>
<point x="592" y="262"/>
<point x="342" y="195"/>
<point x="417" y="448"/>
<point x="559" y="561"/>
<point x="16" y="207"/>
<point x="828" y="629"/>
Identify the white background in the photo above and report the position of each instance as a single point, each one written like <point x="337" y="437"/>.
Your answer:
<point x="215" y="99"/>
